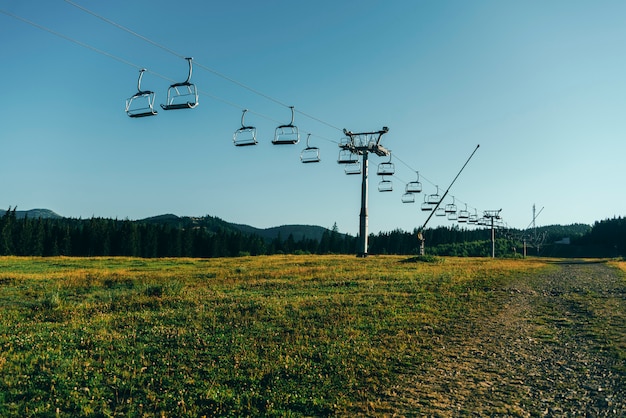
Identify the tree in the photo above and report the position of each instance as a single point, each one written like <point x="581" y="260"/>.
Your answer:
<point x="7" y="246"/>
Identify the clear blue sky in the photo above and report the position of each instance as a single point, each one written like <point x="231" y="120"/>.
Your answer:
<point x="539" y="85"/>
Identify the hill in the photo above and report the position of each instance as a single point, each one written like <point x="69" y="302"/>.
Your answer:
<point x="214" y="224"/>
<point x="34" y="214"/>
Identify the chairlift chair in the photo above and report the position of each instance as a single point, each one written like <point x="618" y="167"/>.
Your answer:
<point x="440" y="211"/>
<point x="345" y="142"/>
<point x="386" y="168"/>
<point x="426" y="205"/>
<point x="287" y="134"/>
<point x="414" y="186"/>
<point x="246" y="135"/>
<point x="473" y="218"/>
<point x="385" y="185"/>
<point x="451" y="207"/>
<point x="434" y="199"/>
<point x="310" y="154"/>
<point x="408" y="198"/>
<point x="353" y="168"/>
<point x="141" y="104"/>
<point x="182" y="95"/>
<point x="452" y="216"/>
<point x="464" y="215"/>
<point x="346" y="156"/>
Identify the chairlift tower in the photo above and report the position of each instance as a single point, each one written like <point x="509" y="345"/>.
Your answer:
<point x="362" y="144"/>
<point x="492" y="216"/>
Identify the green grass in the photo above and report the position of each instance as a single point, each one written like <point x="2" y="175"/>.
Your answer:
<point x="249" y="336"/>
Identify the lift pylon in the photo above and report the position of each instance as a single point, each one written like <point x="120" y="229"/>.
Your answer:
<point x="491" y="216"/>
<point x="362" y="144"/>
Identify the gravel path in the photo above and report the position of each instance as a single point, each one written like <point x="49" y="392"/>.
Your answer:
<point x="551" y="349"/>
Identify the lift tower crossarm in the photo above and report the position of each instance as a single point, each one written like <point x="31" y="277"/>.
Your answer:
<point x="420" y="232"/>
<point x="366" y="142"/>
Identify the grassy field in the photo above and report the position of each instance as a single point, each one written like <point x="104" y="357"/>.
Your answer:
<point x="249" y="336"/>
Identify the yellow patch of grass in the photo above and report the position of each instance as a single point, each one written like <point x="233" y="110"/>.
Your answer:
<point x="620" y="265"/>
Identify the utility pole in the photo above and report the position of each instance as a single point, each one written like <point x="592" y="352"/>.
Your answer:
<point x="362" y="144"/>
<point x="535" y="239"/>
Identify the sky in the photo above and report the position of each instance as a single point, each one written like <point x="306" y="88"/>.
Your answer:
<point x="538" y="85"/>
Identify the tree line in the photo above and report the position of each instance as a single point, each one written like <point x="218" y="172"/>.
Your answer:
<point x="111" y="237"/>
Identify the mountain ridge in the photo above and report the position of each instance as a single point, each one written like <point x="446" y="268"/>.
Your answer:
<point x="34" y="214"/>
<point x="212" y="223"/>
<point x="207" y="222"/>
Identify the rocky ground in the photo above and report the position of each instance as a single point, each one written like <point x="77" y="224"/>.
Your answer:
<point x="553" y="347"/>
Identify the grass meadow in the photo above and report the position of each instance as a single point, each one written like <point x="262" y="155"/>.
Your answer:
<point x="268" y="335"/>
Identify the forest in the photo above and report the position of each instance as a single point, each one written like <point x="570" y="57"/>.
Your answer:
<point x="212" y="237"/>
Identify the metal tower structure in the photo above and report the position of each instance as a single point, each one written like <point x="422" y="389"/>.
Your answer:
<point x="492" y="215"/>
<point x="362" y="144"/>
<point x="536" y="239"/>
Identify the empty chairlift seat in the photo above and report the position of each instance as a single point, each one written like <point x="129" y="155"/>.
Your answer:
<point x="246" y="135"/>
<point x="386" y="168"/>
<point x="434" y="198"/>
<point x="451" y="207"/>
<point x="385" y="185"/>
<point x="353" y="168"/>
<point x="346" y="156"/>
<point x="414" y="186"/>
<point x="288" y="133"/>
<point x="464" y="215"/>
<point x="182" y="95"/>
<point x="426" y="205"/>
<point x="310" y="154"/>
<point x="408" y="198"/>
<point x="141" y="104"/>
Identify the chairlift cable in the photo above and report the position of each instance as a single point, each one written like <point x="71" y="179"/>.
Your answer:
<point x="170" y="51"/>
<point x="129" y="63"/>
<point x="450" y="186"/>
<point x="117" y="25"/>
<point x="319" y="120"/>
<point x="395" y="156"/>
<point x="204" y="67"/>
<point x="139" y="67"/>
<point x="67" y="38"/>
<point x="170" y="80"/>
<point x="413" y="169"/>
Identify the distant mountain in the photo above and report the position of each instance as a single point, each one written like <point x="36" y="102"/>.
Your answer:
<point x="298" y="231"/>
<point x="34" y="214"/>
<point x="214" y="224"/>
<point x="209" y="223"/>
<point x="558" y="232"/>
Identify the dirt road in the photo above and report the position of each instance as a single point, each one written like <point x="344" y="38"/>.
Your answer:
<point x="554" y="346"/>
